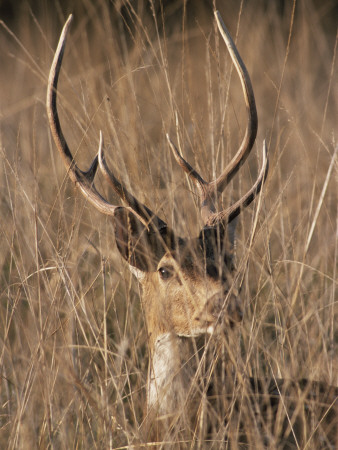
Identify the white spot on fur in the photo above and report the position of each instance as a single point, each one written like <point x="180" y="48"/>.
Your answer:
<point x="166" y="384"/>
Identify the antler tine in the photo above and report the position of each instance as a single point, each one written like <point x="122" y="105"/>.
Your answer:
<point x="207" y="196"/>
<point x="234" y="210"/>
<point x="85" y="180"/>
<point x="196" y="177"/>
<point x="251" y="130"/>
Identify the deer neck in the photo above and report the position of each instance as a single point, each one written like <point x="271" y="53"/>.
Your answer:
<point x="173" y="363"/>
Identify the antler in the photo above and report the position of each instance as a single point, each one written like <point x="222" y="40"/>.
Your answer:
<point x="210" y="191"/>
<point x="85" y="180"/>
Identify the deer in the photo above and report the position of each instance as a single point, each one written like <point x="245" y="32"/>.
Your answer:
<point x="189" y="285"/>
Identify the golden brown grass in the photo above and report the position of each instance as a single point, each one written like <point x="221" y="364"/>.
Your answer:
<point x="73" y="350"/>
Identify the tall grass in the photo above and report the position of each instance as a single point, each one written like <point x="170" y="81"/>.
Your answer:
<point x="73" y="341"/>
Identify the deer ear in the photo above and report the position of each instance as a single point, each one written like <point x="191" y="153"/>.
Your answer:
<point x="140" y="245"/>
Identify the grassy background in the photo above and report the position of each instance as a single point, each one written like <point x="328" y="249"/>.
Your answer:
<point x="73" y="342"/>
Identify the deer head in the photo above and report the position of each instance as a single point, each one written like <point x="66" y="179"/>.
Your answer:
<point x="187" y="284"/>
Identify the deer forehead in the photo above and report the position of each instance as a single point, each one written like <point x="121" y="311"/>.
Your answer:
<point x="194" y="257"/>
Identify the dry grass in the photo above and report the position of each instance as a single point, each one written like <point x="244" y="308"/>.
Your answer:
<point x="73" y="350"/>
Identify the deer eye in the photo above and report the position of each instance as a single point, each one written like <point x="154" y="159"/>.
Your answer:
<point x="166" y="272"/>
